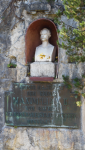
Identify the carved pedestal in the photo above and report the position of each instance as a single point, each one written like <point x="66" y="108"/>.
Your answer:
<point x="42" y="69"/>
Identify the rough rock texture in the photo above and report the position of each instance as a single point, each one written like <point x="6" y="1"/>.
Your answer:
<point x="42" y="139"/>
<point x="72" y="70"/>
<point x="42" y="69"/>
<point x="12" y="43"/>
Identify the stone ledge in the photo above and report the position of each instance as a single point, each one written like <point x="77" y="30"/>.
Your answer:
<point x="48" y="79"/>
<point x="34" y="7"/>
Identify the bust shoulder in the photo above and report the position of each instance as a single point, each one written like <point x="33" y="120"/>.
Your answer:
<point x="48" y="46"/>
<point x="38" y="46"/>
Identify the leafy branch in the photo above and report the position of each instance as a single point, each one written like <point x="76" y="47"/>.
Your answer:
<point x="73" y="37"/>
<point x="76" y="85"/>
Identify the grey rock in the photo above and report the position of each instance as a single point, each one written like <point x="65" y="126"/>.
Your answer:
<point x="37" y="6"/>
<point x="63" y="58"/>
<point x="1" y="100"/>
<point x="71" y="70"/>
<point x="43" y="6"/>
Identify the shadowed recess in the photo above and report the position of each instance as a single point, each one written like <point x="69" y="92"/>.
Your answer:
<point x="32" y="39"/>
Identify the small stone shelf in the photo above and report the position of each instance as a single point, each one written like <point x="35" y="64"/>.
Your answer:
<point x="48" y="79"/>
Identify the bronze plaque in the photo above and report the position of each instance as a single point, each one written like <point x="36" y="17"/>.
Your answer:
<point x="41" y="105"/>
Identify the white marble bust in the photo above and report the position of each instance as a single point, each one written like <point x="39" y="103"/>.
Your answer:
<point x="45" y="52"/>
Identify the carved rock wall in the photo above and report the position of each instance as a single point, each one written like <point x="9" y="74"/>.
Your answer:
<point x="42" y="139"/>
<point x="12" y="42"/>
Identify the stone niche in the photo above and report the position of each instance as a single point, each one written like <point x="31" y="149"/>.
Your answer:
<point x="32" y="39"/>
<point x="40" y="69"/>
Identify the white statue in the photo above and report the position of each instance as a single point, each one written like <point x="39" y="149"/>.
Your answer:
<point x="46" y="51"/>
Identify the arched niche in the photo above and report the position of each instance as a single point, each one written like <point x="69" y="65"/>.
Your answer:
<point x="32" y="39"/>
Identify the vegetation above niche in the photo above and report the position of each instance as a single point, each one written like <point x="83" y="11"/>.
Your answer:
<point x="73" y="37"/>
<point x="73" y="41"/>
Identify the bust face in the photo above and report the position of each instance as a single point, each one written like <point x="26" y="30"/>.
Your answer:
<point x="44" y="52"/>
<point x="45" y="35"/>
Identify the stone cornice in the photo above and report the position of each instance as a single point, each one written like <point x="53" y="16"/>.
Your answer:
<point x="43" y="7"/>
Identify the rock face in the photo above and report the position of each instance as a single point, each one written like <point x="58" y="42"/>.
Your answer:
<point x="12" y="43"/>
<point x="41" y="139"/>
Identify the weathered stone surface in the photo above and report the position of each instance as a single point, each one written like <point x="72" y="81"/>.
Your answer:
<point x="12" y="74"/>
<point x="39" y="6"/>
<point x="42" y="69"/>
<point x="21" y="73"/>
<point x="1" y="100"/>
<point x="5" y="85"/>
<point x="3" y="4"/>
<point x="41" y="139"/>
<point x="18" y="43"/>
<point x="69" y="22"/>
<point x="1" y="111"/>
<point x="71" y="70"/>
<point x="63" y="58"/>
<point x="49" y="8"/>
<point x="5" y="72"/>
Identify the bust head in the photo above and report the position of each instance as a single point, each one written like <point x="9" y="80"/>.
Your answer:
<point x="46" y="51"/>
<point x="45" y="34"/>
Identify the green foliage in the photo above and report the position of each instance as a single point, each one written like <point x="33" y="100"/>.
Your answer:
<point x="83" y="76"/>
<point x="75" y="84"/>
<point x="78" y="83"/>
<point x="28" y="73"/>
<point x="15" y="127"/>
<point x="78" y="103"/>
<point x="83" y="95"/>
<point x="73" y="37"/>
<point x="11" y="65"/>
<point x="73" y="40"/>
<point x="67" y="82"/>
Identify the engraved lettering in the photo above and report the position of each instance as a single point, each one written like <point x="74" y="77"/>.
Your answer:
<point x="15" y="100"/>
<point x="65" y="101"/>
<point x="49" y="108"/>
<point x="35" y="104"/>
<point x="45" y="102"/>
<point x="29" y="108"/>
<point x="29" y="101"/>
<point x="31" y="93"/>
<point x="31" y="87"/>
<point x="22" y="101"/>
<point x="45" y="93"/>
<point x="22" y="86"/>
<point x="47" y="87"/>
<point x="35" y="101"/>
<point x="43" y="108"/>
<point x="69" y="115"/>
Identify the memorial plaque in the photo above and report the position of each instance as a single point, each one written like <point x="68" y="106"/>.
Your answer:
<point x="41" y="105"/>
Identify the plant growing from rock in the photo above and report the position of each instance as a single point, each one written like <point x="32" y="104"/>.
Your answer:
<point x="73" y="37"/>
<point x="11" y="65"/>
<point x="76" y="85"/>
